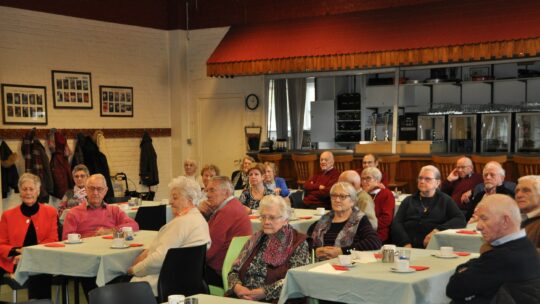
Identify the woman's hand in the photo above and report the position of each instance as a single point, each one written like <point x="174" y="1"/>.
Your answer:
<point x="241" y="291"/>
<point x="256" y="294"/>
<point x="428" y="237"/>
<point x="277" y="191"/>
<point x="328" y="252"/>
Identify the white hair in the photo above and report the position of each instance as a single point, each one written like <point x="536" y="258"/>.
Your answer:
<point x="495" y="165"/>
<point x="189" y="188"/>
<point x="269" y="200"/>
<point x="534" y="179"/>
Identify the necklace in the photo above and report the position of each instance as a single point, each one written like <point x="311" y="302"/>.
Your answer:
<point x="426" y="208"/>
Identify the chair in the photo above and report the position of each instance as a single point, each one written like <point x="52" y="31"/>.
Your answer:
<point x="123" y="293"/>
<point x="151" y="217"/>
<point x="445" y="164"/>
<point x="343" y="162"/>
<point x="527" y="165"/>
<point x="14" y="285"/>
<point x="388" y="164"/>
<point x="235" y="247"/>
<point x="297" y="199"/>
<point x="481" y="160"/>
<point x="182" y="272"/>
<point x="304" y="164"/>
<point x="271" y="158"/>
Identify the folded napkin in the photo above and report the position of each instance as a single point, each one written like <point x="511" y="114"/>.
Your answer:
<point x="378" y="255"/>
<point x="326" y="268"/>
<point x="305" y="217"/>
<point x="340" y="267"/>
<point x="135" y="208"/>
<point x="467" y="232"/>
<point x="462" y="253"/>
<point x="107" y="237"/>
<point x="55" y="245"/>
<point x="135" y="245"/>
<point x="419" y="268"/>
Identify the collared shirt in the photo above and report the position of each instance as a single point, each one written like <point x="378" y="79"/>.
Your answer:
<point x="531" y="214"/>
<point x="510" y="237"/>
<point x="223" y="204"/>
<point x="90" y="206"/>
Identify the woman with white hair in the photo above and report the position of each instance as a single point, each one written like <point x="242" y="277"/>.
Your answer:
<point x="187" y="229"/>
<point x="259" y="271"/>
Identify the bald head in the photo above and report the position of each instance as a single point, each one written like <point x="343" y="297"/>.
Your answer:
<point x="352" y="177"/>
<point x="464" y="167"/>
<point x="326" y="161"/>
<point x="498" y="216"/>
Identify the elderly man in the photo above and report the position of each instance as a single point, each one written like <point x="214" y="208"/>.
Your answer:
<point x="493" y="175"/>
<point x="318" y="186"/>
<point x="95" y="217"/>
<point x="371" y="160"/>
<point x="511" y="258"/>
<point x="229" y="219"/>
<point x="528" y="200"/>
<point x="365" y="202"/>
<point x="460" y="182"/>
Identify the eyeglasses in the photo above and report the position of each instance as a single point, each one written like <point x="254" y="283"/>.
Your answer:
<point x="462" y="167"/>
<point x="425" y="179"/>
<point x="340" y="196"/>
<point x="367" y="179"/>
<point x="269" y="218"/>
<point x="80" y="176"/>
<point x="368" y="162"/>
<point x="98" y="189"/>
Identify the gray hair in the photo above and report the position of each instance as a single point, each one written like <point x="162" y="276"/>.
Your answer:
<point x="80" y="167"/>
<point x="349" y="188"/>
<point x="29" y="177"/>
<point x="534" y="179"/>
<point x="189" y="188"/>
<point x="373" y="171"/>
<point x="98" y="176"/>
<point x="224" y="183"/>
<point x="276" y="200"/>
<point x="494" y="165"/>
<point x="433" y="169"/>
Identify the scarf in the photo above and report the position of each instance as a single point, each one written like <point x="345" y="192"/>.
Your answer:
<point x="278" y="248"/>
<point x="345" y="237"/>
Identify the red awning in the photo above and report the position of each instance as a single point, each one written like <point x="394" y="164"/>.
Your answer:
<point x="446" y="31"/>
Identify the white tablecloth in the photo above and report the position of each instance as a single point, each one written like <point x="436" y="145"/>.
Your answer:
<point x="300" y="224"/>
<point x="210" y="299"/>
<point x="460" y="242"/>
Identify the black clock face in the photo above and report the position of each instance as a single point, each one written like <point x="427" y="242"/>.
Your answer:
<point x="252" y="101"/>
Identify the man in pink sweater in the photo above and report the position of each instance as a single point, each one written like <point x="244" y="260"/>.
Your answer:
<point x="228" y="220"/>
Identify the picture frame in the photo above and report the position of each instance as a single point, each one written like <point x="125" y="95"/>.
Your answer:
<point x="480" y="71"/>
<point x="72" y="90"/>
<point x="116" y="101"/>
<point x="24" y="104"/>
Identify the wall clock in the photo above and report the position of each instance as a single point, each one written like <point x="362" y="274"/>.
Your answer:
<point x="252" y="101"/>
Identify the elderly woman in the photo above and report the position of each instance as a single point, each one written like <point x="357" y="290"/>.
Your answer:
<point x="383" y="199"/>
<point x="207" y="172"/>
<point x="344" y="228"/>
<point x="259" y="271"/>
<point x="239" y="178"/>
<point x="76" y="196"/>
<point x="251" y="196"/>
<point x="29" y="224"/>
<point x="187" y="229"/>
<point x="190" y="171"/>
<point x="426" y="212"/>
<point x="273" y="182"/>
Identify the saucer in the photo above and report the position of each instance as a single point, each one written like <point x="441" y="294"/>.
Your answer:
<point x="72" y="243"/>
<point x="120" y="247"/>
<point x="438" y="255"/>
<point x="402" y="271"/>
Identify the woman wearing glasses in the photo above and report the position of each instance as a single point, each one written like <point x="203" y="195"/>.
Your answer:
<point x="76" y="196"/>
<point x="344" y="228"/>
<point x="426" y="212"/>
<point x="259" y="271"/>
<point x="383" y="198"/>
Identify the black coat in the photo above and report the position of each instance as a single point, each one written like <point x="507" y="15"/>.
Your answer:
<point x="477" y="198"/>
<point x="148" y="169"/>
<point x="10" y="175"/>
<point x="97" y="162"/>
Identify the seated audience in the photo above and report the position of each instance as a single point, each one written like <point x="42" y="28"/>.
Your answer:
<point x="460" y="182"/>
<point x="426" y="212"/>
<point x="28" y="224"/>
<point x="260" y="269"/>
<point x="493" y="175"/>
<point x="365" y="202"/>
<point x="344" y="228"/>
<point x="371" y="160"/>
<point x="273" y="182"/>
<point x="227" y="221"/>
<point x="239" y="178"/>
<point x="384" y="200"/>
<point x="251" y="196"/>
<point x="95" y="217"/>
<point x="528" y="200"/>
<point x="509" y="258"/>
<point x="76" y="196"/>
<point x="317" y="188"/>
<point x="190" y="171"/>
<point x="187" y="229"/>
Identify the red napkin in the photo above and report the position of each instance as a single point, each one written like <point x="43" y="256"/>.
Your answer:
<point x="55" y="245"/>
<point x="135" y="208"/>
<point x="340" y="267"/>
<point x="135" y="245"/>
<point x="305" y="217"/>
<point x="253" y="217"/>
<point x="467" y="232"/>
<point x="378" y="255"/>
<point x="462" y="253"/>
<point x="107" y="237"/>
<point x="419" y="268"/>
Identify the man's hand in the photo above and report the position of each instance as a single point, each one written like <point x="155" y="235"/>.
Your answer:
<point x="103" y="231"/>
<point x="466" y="197"/>
<point x="205" y="208"/>
<point x="453" y="176"/>
<point x="322" y="187"/>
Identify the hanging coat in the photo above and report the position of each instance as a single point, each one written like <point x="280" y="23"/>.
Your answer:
<point x="148" y="170"/>
<point x="10" y="175"/>
<point x="78" y="155"/>
<point x="36" y="162"/>
<point x="61" y="171"/>
<point x="97" y="163"/>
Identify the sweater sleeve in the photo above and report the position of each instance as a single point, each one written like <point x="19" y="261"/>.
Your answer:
<point x="5" y="246"/>
<point x="399" y="234"/>
<point x="365" y="239"/>
<point x="384" y="204"/>
<point x="280" y="183"/>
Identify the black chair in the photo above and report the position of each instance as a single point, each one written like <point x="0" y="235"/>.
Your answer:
<point x="123" y="293"/>
<point x="14" y="285"/>
<point x="297" y="199"/>
<point x="183" y="272"/>
<point x="151" y="218"/>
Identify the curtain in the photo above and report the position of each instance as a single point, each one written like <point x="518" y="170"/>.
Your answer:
<point x="280" y="102"/>
<point x="297" y="104"/>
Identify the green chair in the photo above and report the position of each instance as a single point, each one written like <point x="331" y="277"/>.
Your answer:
<point x="237" y="243"/>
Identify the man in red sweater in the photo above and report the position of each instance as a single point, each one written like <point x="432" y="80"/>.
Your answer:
<point x="228" y="220"/>
<point x="461" y="181"/>
<point x="318" y="186"/>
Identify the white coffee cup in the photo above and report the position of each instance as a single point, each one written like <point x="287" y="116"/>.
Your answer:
<point x="74" y="237"/>
<point x="447" y="251"/>
<point x="345" y="259"/>
<point x="176" y="299"/>
<point x="401" y="265"/>
<point x="118" y="242"/>
<point x="321" y="211"/>
<point x="128" y="232"/>
<point x="389" y="247"/>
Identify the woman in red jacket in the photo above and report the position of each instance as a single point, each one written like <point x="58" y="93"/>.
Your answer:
<point x="29" y="224"/>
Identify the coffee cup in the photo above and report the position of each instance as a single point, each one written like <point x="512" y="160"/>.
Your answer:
<point x="128" y="233"/>
<point x="447" y="251"/>
<point x="118" y="243"/>
<point x="176" y="299"/>
<point x="321" y="211"/>
<point x="74" y="237"/>
<point x="401" y="265"/>
<point x="345" y="259"/>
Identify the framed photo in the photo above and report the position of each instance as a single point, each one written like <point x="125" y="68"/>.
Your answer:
<point x="24" y="104"/>
<point x="72" y="90"/>
<point x="116" y="101"/>
<point x="479" y="71"/>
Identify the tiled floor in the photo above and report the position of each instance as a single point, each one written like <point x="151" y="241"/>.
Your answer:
<point x="22" y="295"/>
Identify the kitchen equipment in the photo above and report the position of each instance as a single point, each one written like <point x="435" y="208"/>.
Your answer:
<point x="528" y="132"/>
<point x="462" y="133"/>
<point x="495" y="132"/>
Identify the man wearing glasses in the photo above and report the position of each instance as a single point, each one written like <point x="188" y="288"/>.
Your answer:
<point x="372" y="161"/>
<point x="460" y="182"/>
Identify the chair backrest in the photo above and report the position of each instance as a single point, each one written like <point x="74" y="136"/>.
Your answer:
<point x="123" y="293"/>
<point x="304" y="165"/>
<point x="343" y="162"/>
<point x="151" y="217"/>
<point x="237" y="243"/>
<point x="445" y="164"/>
<point x="388" y="165"/>
<point x="527" y="165"/>
<point x="481" y="160"/>
<point x="297" y="199"/>
<point x="182" y="272"/>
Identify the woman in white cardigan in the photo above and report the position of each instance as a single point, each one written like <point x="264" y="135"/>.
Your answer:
<point x="187" y="229"/>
